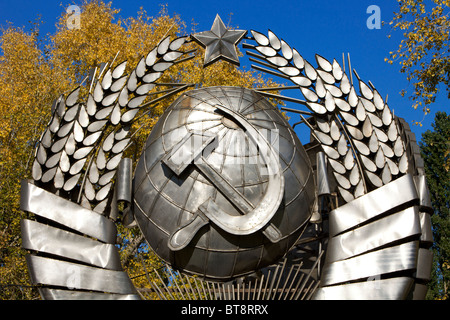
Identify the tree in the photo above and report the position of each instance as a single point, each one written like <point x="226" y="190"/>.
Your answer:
<point x="424" y="53"/>
<point x="433" y="146"/>
<point x="35" y="70"/>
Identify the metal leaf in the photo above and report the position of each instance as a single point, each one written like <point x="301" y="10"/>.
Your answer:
<point x="136" y="102"/>
<point x="374" y="179"/>
<point x="119" y="70"/>
<point x="342" y="104"/>
<point x="368" y="105"/>
<point x="403" y="163"/>
<point x="349" y="160"/>
<point x="132" y="81"/>
<point x="72" y="182"/>
<point x="346" y="195"/>
<point x="359" y="190"/>
<point x="107" y="80"/>
<point x="330" y="152"/>
<point x="129" y="115"/>
<point x="78" y="132"/>
<point x="98" y="92"/>
<point x="323" y="63"/>
<point x="342" y="181"/>
<point x="65" y="129"/>
<point x="36" y="171"/>
<point x="77" y="166"/>
<point x="114" y="162"/>
<point x="260" y="38"/>
<point x="355" y="176"/>
<point x="310" y="71"/>
<point x="326" y="77"/>
<point x="101" y="160"/>
<point x="71" y="113"/>
<point x="374" y="143"/>
<point x="386" y="175"/>
<point x="64" y="162"/>
<point x="354" y="132"/>
<point x="106" y="178"/>
<point x="301" y="81"/>
<point x="316" y="107"/>
<point x="48" y="175"/>
<point x="367" y="128"/>
<point x="177" y="43"/>
<point x="152" y="77"/>
<point x="59" y="145"/>
<point x="337" y="71"/>
<point x="72" y="98"/>
<point x="58" y="180"/>
<point x="349" y="118"/>
<point x="329" y="102"/>
<point x="337" y="166"/>
<point x="342" y="147"/>
<point x="368" y="164"/>
<point x="163" y="46"/>
<point x="102" y="114"/>
<point x="290" y="71"/>
<point x="115" y="115"/>
<point x="361" y="147"/>
<point x="388" y="152"/>
<point x="381" y="135"/>
<point x="82" y="153"/>
<point x="298" y="60"/>
<point x="392" y="166"/>
<point x="41" y="154"/>
<point x="345" y="84"/>
<point x="380" y="159"/>
<point x="365" y="90"/>
<point x="278" y="61"/>
<point x="91" y="139"/>
<point x="162" y="66"/>
<point x="335" y="133"/>
<point x="98" y="125"/>
<point x="120" y="146"/>
<point x="266" y="51"/>
<point x="398" y="147"/>
<point x="335" y="91"/>
<point x="172" y="56"/>
<point x="286" y="50"/>
<point x="93" y="173"/>
<point x="91" y="106"/>
<point x="103" y="192"/>
<point x="387" y="116"/>
<point x="392" y="131"/>
<point x="320" y="88"/>
<point x="118" y="84"/>
<point x="378" y="100"/>
<point x="151" y="57"/>
<point x="309" y="94"/>
<point x="83" y="117"/>
<point x="108" y="143"/>
<point x="53" y="160"/>
<point x="274" y="41"/>
<point x="141" y="68"/>
<point x="323" y="138"/>
<point x="352" y="97"/>
<point x="375" y="120"/>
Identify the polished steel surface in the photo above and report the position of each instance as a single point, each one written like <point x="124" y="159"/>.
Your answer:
<point x="255" y="180"/>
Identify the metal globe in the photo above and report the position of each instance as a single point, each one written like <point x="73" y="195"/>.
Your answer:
<point x="231" y="201"/>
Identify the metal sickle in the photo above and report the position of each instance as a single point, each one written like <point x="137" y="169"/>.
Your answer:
<point x="253" y="218"/>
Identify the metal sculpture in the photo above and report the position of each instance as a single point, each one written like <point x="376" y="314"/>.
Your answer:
<point x="198" y="215"/>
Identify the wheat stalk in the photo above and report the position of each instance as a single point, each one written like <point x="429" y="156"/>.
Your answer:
<point x="84" y="142"/>
<point x="358" y="132"/>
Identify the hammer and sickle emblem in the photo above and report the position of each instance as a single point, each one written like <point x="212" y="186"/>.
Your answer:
<point x="252" y="218"/>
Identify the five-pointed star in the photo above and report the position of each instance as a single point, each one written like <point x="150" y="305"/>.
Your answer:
<point x="220" y="42"/>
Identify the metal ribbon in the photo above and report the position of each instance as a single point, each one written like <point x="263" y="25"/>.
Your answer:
<point x="46" y="271"/>
<point x="393" y="259"/>
<point x="42" y="238"/>
<point x="379" y="201"/>
<point x="48" y="205"/>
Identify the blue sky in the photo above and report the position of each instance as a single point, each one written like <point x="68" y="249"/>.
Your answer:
<point x="326" y="27"/>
